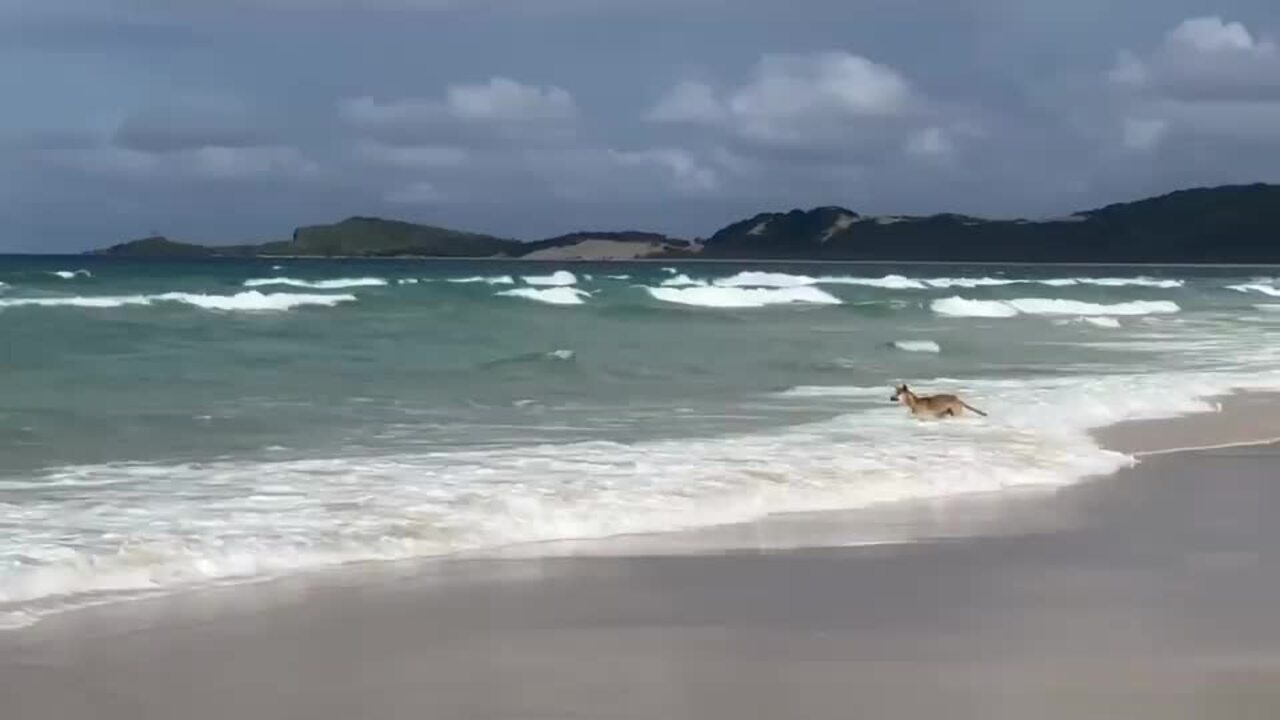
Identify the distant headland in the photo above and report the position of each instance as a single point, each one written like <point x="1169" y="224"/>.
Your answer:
<point x="1226" y="224"/>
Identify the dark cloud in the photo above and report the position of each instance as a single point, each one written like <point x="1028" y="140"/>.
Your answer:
<point x="240" y="118"/>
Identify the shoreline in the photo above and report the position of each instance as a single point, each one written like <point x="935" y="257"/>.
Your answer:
<point x="1143" y="594"/>
<point x="781" y="530"/>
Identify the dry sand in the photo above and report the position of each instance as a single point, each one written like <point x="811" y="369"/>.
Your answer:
<point x="1151" y="594"/>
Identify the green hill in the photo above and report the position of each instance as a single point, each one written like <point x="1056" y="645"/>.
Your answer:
<point x="375" y="237"/>
<point x="1236" y="223"/>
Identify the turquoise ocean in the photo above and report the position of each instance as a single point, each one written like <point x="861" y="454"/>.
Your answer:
<point x="167" y="424"/>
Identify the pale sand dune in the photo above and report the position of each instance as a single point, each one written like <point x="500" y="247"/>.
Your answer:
<point x="600" y="250"/>
<point x="1148" y="595"/>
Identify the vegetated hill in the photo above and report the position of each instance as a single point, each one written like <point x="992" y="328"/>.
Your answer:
<point x="1239" y="223"/>
<point x="376" y="237"/>
<point x="156" y="246"/>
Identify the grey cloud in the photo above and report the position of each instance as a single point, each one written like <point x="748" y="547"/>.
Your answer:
<point x="1209" y="77"/>
<point x="795" y="99"/>
<point x="1205" y="58"/>
<point x="679" y="116"/>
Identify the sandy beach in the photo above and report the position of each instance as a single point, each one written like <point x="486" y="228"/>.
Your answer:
<point x="1148" y="594"/>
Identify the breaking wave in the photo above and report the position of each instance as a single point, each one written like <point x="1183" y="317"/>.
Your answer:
<point x="961" y="307"/>
<point x="682" y="280"/>
<point x="551" y="295"/>
<point x="71" y="274"/>
<point x="250" y="300"/>
<point x="731" y="297"/>
<point x="926" y="346"/>
<point x="334" y="284"/>
<point x="292" y="515"/>
<point x="557" y="278"/>
<point x="478" y="279"/>
<point x="1271" y="290"/>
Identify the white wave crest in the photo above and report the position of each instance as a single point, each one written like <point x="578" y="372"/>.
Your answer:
<point x="683" y="280"/>
<point x="557" y="278"/>
<point x="888" y="282"/>
<point x="551" y="296"/>
<point x="1103" y="321"/>
<point x="250" y="300"/>
<point x="900" y="282"/>
<point x="1271" y="290"/>
<point x="82" y="302"/>
<point x="333" y="284"/>
<point x="71" y="274"/>
<point x="961" y="307"/>
<point x="495" y="280"/>
<point x="750" y="278"/>
<point x="927" y="346"/>
<point x="969" y="282"/>
<point x="1114" y="282"/>
<point x="725" y="297"/>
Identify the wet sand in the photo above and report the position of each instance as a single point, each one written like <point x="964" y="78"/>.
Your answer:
<point x="1151" y="594"/>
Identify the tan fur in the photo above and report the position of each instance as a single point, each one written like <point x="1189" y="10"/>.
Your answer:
<point x="935" y="406"/>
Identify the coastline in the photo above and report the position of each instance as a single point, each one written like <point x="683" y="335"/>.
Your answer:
<point x="675" y="260"/>
<point x="790" y="615"/>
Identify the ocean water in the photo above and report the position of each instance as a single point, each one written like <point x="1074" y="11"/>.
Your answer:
<point x="169" y="424"/>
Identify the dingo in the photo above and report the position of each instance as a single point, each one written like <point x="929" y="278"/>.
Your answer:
<point x="937" y="406"/>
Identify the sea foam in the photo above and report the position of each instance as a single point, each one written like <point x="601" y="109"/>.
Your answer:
<point x="241" y="519"/>
<point x="1256" y="287"/>
<point x="557" y="278"/>
<point x="250" y="300"/>
<point x="333" y="284"/>
<point x="734" y="297"/>
<point x="480" y="279"/>
<point x="71" y="274"/>
<point x="961" y="307"/>
<point x="550" y="296"/>
<point x="926" y="346"/>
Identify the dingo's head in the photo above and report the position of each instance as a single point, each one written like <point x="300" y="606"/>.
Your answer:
<point x="900" y="393"/>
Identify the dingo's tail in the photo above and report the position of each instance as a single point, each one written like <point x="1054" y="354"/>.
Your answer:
<point x="974" y="409"/>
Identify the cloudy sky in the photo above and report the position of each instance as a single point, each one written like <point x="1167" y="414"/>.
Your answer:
<point x="231" y="120"/>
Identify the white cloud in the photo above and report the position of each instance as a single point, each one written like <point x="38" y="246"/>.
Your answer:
<point x="498" y="101"/>
<point x="419" y="193"/>
<point x="209" y="162"/>
<point x="505" y="100"/>
<point x="1204" y="58"/>
<point x="791" y="98"/>
<point x="411" y="157"/>
<point x="690" y="102"/>
<point x="1212" y="35"/>
<point x="1208" y="78"/>
<point x="686" y="172"/>
<point x="1143" y="133"/>
<point x="930" y="142"/>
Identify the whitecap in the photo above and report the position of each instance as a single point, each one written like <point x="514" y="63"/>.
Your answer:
<point x="683" y="280"/>
<point x="925" y="346"/>
<point x="332" y="284"/>
<point x="551" y="296"/>
<point x="726" y="297"/>
<point x="1271" y="290"/>
<point x="962" y="307"/>
<point x="557" y="278"/>
<point x="495" y="280"/>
